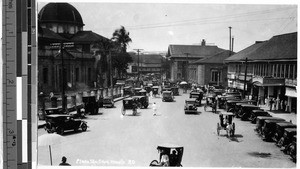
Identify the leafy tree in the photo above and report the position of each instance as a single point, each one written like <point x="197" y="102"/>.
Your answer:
<point x="120" y="62"/>
<point x="121" y="36"/>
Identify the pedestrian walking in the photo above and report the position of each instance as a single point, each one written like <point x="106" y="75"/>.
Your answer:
<point x="271" y="103"/>
<point x="154" y="109"/>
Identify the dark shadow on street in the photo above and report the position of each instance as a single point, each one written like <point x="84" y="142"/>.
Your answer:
<point x="72" y="132"/>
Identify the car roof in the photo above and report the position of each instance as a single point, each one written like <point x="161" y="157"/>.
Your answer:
<point x="191" y="99"/>
<point x="227" y="113"/>
<point x="169" y="145"/>
<point x="58" y="115"/>
<point x="286" y="124"/>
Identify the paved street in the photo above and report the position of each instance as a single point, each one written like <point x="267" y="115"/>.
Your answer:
<point x="116" y="140"/>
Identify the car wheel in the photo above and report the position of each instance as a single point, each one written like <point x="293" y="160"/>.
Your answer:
<point x="83" y="127"/>
<point x="134" y="112"/>
<point x="154" y="163"/>
<point x="60" y="130"/>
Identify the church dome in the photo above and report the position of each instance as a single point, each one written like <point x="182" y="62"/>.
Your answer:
<point x="60" y="13"/>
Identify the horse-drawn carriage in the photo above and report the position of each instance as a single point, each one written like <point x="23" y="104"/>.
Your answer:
<point x="130" y="104"/>
<point x="169" y="156"/>
<point x="226" y="123"/>
<point x="211" y="102"/>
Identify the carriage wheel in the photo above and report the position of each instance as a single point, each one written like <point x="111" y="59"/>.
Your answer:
<point x="123" y="110"/>
<point x="154" y="163"/>
<point x="218" y="129"/>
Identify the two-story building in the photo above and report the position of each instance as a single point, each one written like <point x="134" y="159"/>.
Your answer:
<point x="271" y="71"/>
<point x="182" y="55"/>
<point x="74" y="67"/>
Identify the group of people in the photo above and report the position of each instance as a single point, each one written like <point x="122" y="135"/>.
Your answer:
<point x="167" y="160"/>
<point x="274" y="104"/>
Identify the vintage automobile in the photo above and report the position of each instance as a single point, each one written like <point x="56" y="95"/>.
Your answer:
<point x="136" y="91"/>
<point x="167" y="96"/>
<point x="174" y="152"/>
<point x="148" y="89"/>
<point x="260" y="120"/>
<point x="211" y="102"/>
<point x="142" y="101"/>
<point x="198" y="96"/>
<point x="291" y="149"/>
<point x="245" y="111"/>
<point x="127" y="90"/>
<point x="155" y="90"/>
<point x="269" y="128"/>
<point x="279" y="131"/>
<point x="54" y="110"/>
<point x="90" y="104"/>
<point x="231" y="105"/>
<point x="59" y="123"/>
<point x="130" y="104"/>
<point x="222" y="100"/>
<point x="108" y="102"/>
<point x="175" y="90"/>
<point x="226" y="123"/>
<point x="190" y="106"/>
<point x="166" y="89"/>
<point x="287" y="137"/>
<point x="256" y="113"/>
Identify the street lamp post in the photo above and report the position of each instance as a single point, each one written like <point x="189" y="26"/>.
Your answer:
<point x="138" y="51"/>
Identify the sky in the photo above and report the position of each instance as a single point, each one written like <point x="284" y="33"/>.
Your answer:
<point x="154" y="26"/>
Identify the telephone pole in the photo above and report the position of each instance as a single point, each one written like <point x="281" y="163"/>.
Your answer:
<point x="138" y="69"/>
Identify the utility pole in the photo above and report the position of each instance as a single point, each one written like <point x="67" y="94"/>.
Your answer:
<point x="230" y="38"/>
<point x="187" y="66"/>
<point x="244" y="93"/>
<point x="138" y="51"/>
<point x="62" y="78"/>
<point x="232" y="44"/>
<point x="110" y="73"/>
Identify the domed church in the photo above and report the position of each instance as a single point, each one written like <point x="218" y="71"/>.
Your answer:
<point x="62" y="23"/>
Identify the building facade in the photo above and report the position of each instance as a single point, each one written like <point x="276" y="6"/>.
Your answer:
<point x="271" y="68"/>
<point x="212" y="70"/>
<point x="182" y="55"/>
<point x="65" y="55"/>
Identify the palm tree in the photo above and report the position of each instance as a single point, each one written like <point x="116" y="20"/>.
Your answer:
<point x="121" y="36"/>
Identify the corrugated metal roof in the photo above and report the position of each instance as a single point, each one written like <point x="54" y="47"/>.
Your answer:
<point x="217" y="58"/>
<point x="87" y="36"/>
<point x="192" y="50"/>
<point x="245" y="53"/>
<point x="277" y="48"/>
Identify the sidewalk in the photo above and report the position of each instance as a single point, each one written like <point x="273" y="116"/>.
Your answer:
<point x="41" y="123"/>
<point x="281" y="114"/>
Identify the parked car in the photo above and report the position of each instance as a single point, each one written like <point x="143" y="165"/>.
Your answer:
<point x="260" y="120"/>
<point x="256" y="113"/>
<point x="245" y="111"/>
<point x="287" y="137"/>
<point x="142" y="101"/>
<point x="108" y="102"/>
<point x="291" y="149"/>
<point x="190" y="106"/>
<point x="269" y="128"/>
<point x="231" y="105"/>
<point x="280" y="130"/>
<point x="167" y="96"/>
<point x="59" y="123"/>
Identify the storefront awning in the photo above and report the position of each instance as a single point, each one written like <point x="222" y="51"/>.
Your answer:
<point x="260" y="84"/>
